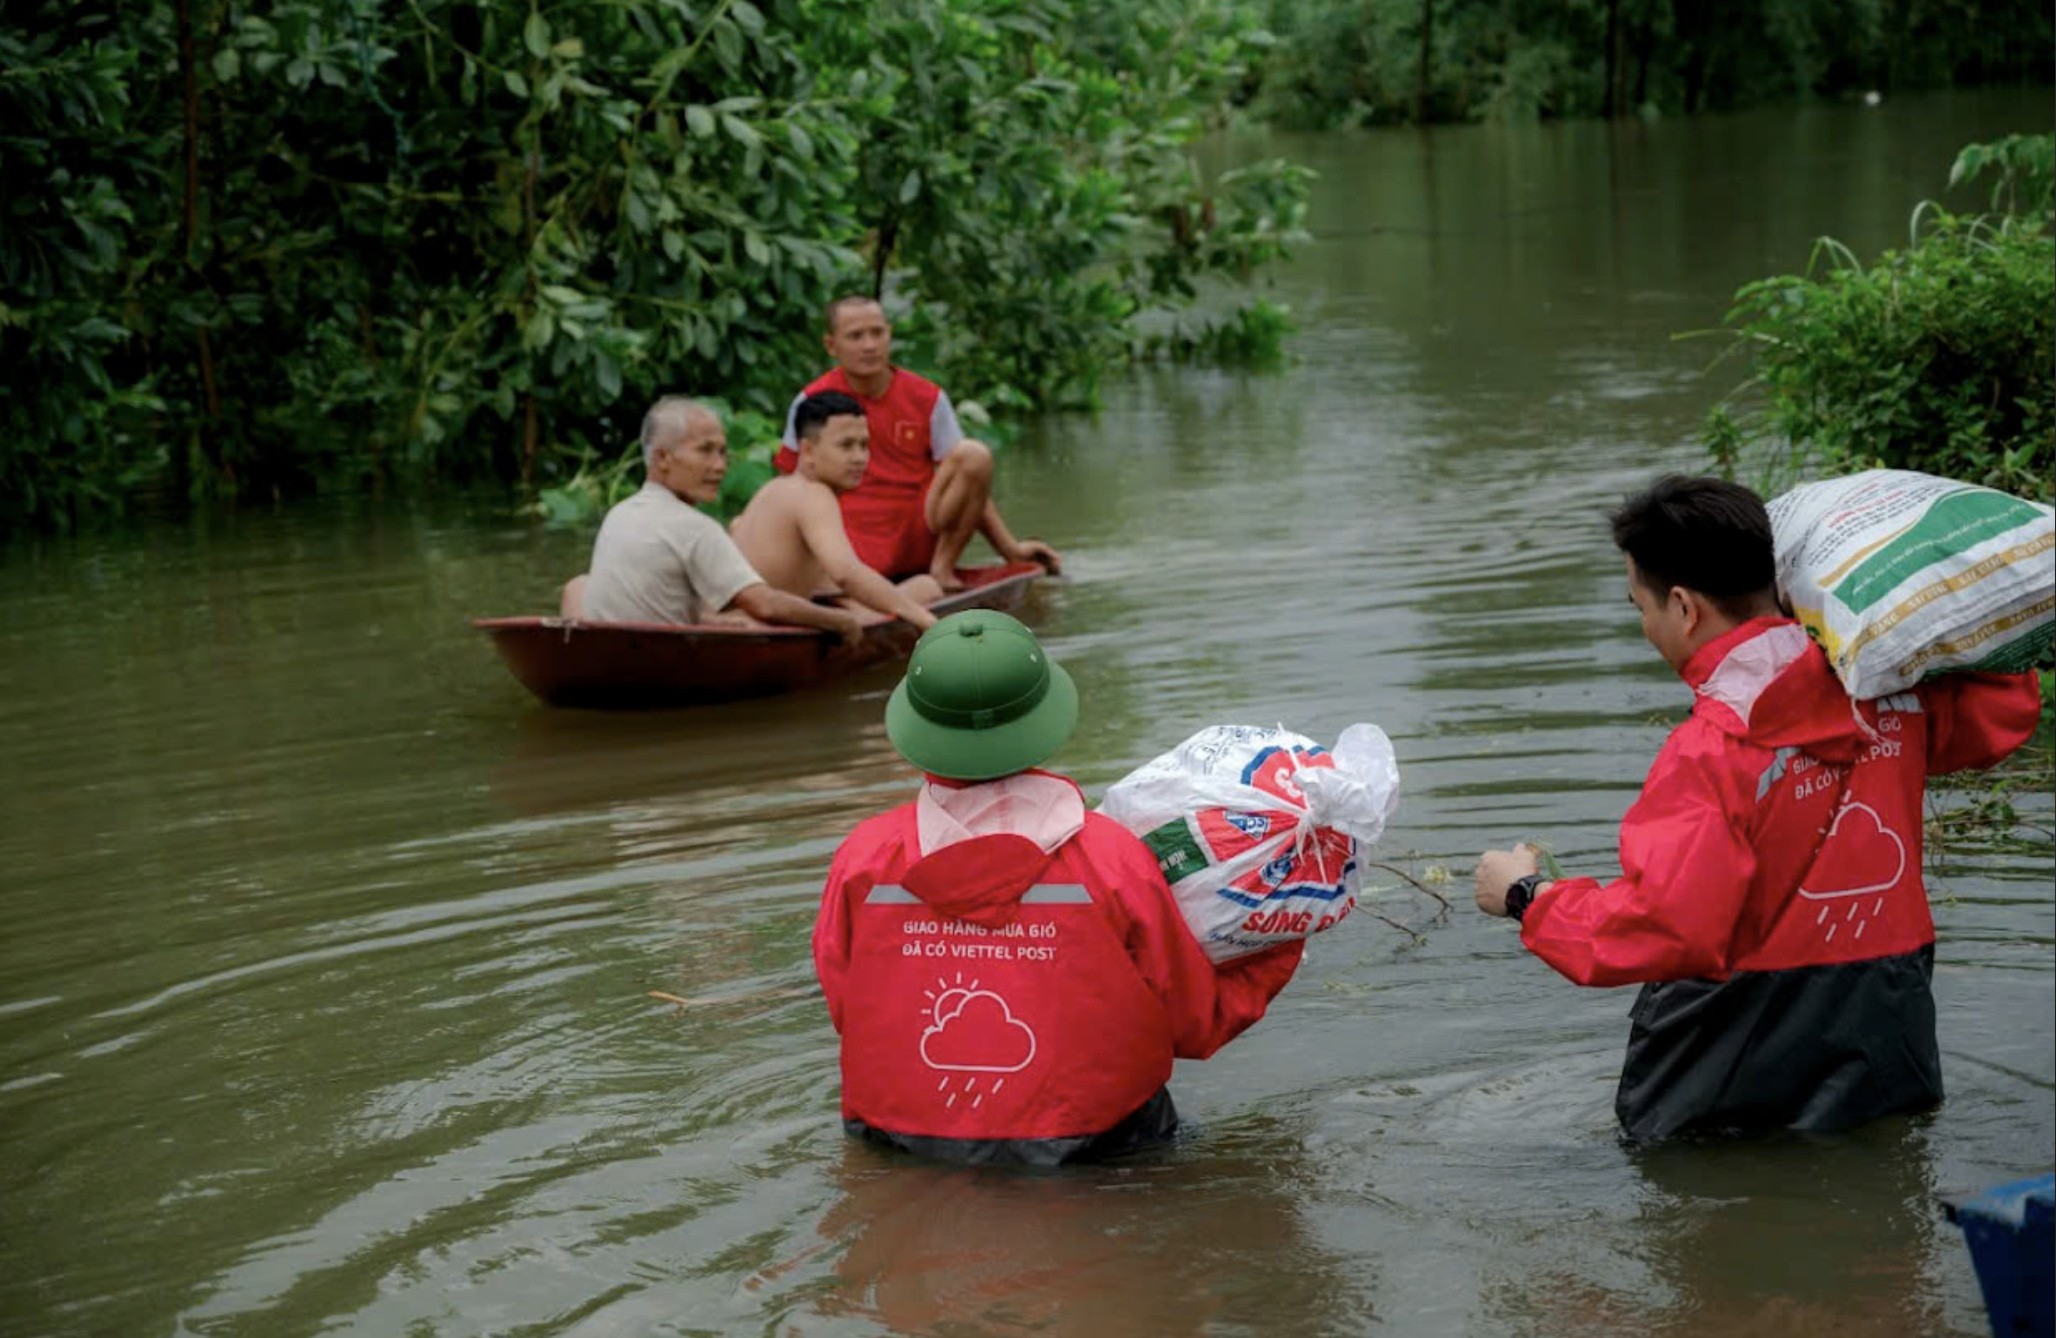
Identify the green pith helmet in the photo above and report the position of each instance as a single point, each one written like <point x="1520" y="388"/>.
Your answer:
<point x="980" y="699"/>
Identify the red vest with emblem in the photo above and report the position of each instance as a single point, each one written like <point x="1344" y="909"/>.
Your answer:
<point x="880" y="512"/>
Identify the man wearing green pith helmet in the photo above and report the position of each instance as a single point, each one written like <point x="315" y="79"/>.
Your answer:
<point x="1009" y="973"/>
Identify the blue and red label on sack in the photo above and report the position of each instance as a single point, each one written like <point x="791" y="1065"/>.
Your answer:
<point x="1317" y="868"/>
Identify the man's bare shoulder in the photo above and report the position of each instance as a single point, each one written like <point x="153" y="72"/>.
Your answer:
<point x="790" y="495"/>
<point x="772" y="503"/>
<point x="790" y="492"/>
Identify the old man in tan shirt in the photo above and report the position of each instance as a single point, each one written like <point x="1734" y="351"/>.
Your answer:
<point x="660" y="559"/>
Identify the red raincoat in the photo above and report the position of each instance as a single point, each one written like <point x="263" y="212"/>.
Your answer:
<point x="1771" y="891"/>
<point x="1018" y="997"/>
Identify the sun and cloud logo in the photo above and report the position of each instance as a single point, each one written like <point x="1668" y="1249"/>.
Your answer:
<point x="973" y="1031"/>
<point x="1866" y="861"/>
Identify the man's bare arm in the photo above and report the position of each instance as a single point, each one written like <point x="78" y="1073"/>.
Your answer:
<point x="769" y="604"/>
<point x="820" y="521"/>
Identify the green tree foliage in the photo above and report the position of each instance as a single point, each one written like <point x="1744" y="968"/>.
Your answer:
<point x="1940" y="357"/>
<point x="68" y="249"/>
<point x="1371" y="61"/>
<point x="256" y="246"/>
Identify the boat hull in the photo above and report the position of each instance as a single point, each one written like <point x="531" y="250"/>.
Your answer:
<point x="565" y="662"/>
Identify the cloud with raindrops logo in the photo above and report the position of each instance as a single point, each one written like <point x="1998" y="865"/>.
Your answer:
<point x="976" y="1032"/>
<point x="1867" y="857"/>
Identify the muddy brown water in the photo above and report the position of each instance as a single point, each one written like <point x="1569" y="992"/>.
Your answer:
<point x="324" y="991"/>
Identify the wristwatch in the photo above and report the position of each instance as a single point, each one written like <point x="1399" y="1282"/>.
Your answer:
<point x="1520" y="893"/>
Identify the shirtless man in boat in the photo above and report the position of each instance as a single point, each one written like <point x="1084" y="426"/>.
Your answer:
<point x="660" y="559"/>
<point x="792" y="530"/>
<point x="929" y="487"/>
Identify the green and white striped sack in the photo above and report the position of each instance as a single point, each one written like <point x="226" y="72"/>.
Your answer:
<point x="1901" y="576"/>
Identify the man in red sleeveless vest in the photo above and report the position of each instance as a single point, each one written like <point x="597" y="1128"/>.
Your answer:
<point x="1009" y="973"/>
<point x="1770" y="901"/>
<point x="929" y="487"/>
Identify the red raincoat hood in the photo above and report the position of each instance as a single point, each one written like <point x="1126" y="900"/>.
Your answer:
<point x="979" y="880"/>
<point x="986" y="844"/>
<point x="1766" y="682"/>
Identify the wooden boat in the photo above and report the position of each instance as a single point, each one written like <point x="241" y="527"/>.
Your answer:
<point x="566" y="662"/>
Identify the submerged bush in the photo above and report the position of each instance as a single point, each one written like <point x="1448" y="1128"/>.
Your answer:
<point x="1939" y="357"/>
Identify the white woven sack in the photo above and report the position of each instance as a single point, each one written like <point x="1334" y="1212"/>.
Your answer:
<point x="1900" y="575"/>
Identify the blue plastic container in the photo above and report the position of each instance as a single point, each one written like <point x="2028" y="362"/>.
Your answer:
<point x="2013" y="1247"/>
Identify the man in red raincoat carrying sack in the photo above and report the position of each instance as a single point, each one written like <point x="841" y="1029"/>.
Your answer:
<point x="1770" y="901"/>
<point x="1009" y="973"/>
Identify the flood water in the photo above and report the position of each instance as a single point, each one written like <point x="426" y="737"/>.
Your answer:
<point x="324" y="994"/>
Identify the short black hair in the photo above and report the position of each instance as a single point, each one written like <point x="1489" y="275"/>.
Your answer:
<point x="1704" y="534"/>
<point x="818" y="408"/>
<point x="835" y="308"/>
